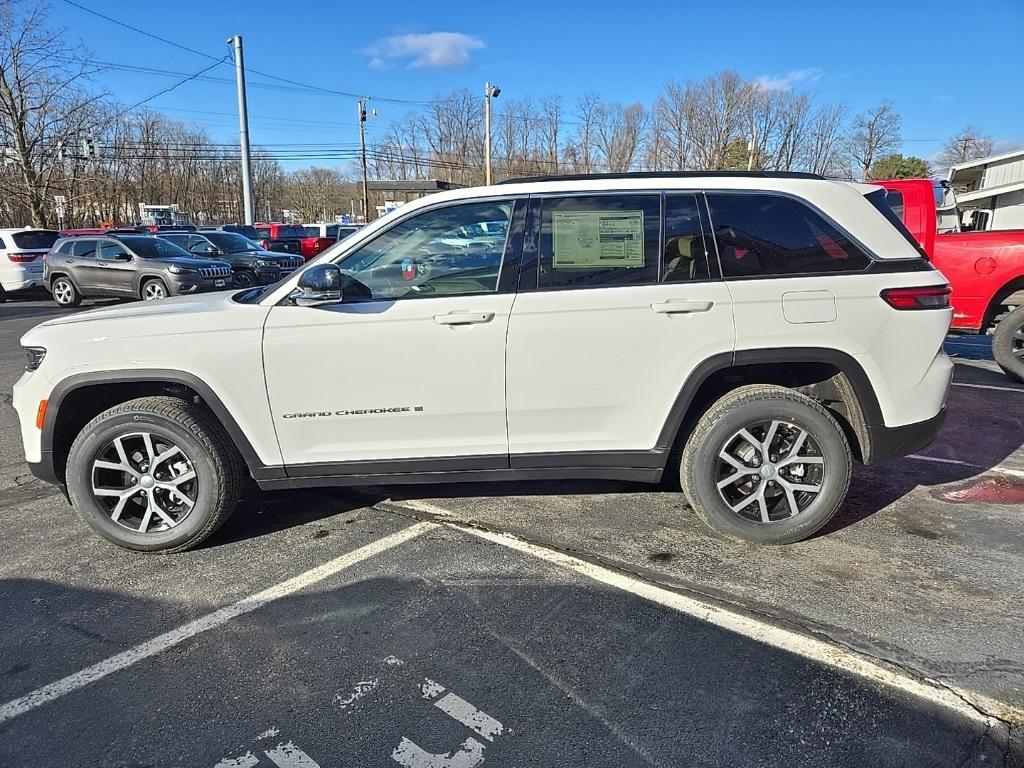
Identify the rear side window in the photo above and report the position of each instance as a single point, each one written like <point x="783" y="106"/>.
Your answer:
<point x="65" y="247"/>
<point x="686" y="253"/>
<point x="332" y="231"/>
<point x="605" y="240"/>
<point x="762" y="235"/>
<point x="889" y="203"/>
<point x="85" y="249"/>
<point x="35" y="240"/>
<point x="3" y="245"/>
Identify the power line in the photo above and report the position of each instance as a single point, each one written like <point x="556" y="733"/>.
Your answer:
<point x="168" y="89"/>
<point x="308" y="86"/>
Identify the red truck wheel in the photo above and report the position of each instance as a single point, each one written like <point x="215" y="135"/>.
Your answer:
<point x="1008" y="344"/>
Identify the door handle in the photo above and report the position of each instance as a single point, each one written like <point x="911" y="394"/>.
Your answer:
<point x="681" y="307"/>
<point x="464" y="318"/>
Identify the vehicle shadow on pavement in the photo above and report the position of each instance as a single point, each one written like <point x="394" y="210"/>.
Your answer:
<point x="546" y="669"/>
<point x="263" y="513"/>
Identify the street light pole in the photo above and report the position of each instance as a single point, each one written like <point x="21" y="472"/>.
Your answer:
<point x="490" y="91"/>
<point x="243" y="129"/>
<point x="361" y="109"/>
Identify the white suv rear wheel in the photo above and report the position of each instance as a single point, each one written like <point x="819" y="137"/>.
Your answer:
<point x="766" y="465"/>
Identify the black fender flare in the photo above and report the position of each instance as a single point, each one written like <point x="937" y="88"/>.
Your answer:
<point x="151" y="376"/>
<point x="845" y="363"/>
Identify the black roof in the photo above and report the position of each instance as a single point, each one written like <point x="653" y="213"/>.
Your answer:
<point x="666" y="175"/>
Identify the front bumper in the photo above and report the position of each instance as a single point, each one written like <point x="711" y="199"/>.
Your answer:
<point x="267" y="276"/>
<point x="887" y="443"/>
<point x="186" y="285"/>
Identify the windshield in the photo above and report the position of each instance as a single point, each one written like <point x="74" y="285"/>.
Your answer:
<point x="146" y="247"/>
<point x="35" y="239"/>
<point x="229" y="242"/>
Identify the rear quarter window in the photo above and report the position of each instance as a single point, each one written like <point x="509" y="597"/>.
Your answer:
<point x="761" y="235"/>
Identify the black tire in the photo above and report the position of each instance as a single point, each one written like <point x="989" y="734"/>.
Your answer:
<point x="65" y="286"/>
<point x="203" y="444"/>
<point x="1008" y="344"/>
<point x="244" y="278"/>
<point x="701" y="469"/>
<point x="150" y="287"/>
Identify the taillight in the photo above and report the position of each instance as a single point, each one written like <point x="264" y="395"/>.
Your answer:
<point x="22" y="258"/>
<point x="927" y="297"/>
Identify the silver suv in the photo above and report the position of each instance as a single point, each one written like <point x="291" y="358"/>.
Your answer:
<point x="128" y="266"/>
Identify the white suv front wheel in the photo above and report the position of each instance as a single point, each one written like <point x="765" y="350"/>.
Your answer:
<point x="156" y="474"/>
<point x="767" y="465"/>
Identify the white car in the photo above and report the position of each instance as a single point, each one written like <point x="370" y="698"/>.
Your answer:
<point x="21" y="258"/>
<point x="749" y="333"/>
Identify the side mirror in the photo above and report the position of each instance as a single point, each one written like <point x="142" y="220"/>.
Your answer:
<point x="318" y="285"/>
<point x="211" y="249"/>
<point x="122" y="256"/>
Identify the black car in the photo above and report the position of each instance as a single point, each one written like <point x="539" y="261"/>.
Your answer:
<point x="250" y="264"/>
<point x="245" y="230"/>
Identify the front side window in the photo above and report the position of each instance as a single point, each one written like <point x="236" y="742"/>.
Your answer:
<point x="446" y="251"/>
<point x="290" y="232"/>
<point x="599" y="241"/>
<point x="179" y="240"/>
<point x="109" y="250"/>
<point x="763" y="234"/>
<point x="686" y="252"/>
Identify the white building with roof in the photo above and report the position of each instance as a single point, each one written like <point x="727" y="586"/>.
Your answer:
<point x="990" y="191"/>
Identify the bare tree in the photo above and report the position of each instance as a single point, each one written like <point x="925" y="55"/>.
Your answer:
<point x="968" y="144"/>
<point x="872" y="134"/>
<point x="43" y="110"/>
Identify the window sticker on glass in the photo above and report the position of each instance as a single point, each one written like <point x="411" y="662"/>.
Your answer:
<point x="598" y="239"/>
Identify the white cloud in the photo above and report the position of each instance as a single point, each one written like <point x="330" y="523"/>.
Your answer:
<point x="429" y="50"/>
<point x="787" y="81"/>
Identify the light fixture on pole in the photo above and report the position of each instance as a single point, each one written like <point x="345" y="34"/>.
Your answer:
<point x="490" y="92"/>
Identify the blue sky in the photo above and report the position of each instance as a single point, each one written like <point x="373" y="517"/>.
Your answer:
<point x="944" y="64"/>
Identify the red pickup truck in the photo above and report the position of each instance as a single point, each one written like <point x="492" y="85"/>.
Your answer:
<point x="985" y="269"/>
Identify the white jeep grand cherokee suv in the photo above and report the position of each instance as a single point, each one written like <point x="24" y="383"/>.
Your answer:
<point x="751" y="332"/>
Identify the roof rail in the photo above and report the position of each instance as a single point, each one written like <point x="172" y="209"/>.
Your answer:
<point x="665" y="175"/>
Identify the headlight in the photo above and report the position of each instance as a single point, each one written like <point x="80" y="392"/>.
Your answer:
<point x="175" y="269"/>
<point x="34" y="357"/>
<point x="264" y="263"/>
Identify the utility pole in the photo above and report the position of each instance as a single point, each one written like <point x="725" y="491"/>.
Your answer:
<point x="361" y="109"/>
<point x="243" y="129"/>
<point x="490" y="92"/>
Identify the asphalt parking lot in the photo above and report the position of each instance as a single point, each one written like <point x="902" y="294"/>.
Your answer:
<point x="541" y="624"/>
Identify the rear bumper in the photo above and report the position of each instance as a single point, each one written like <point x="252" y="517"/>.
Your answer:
<point x="892" y="442"/>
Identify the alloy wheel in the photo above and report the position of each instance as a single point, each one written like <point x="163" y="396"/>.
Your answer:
<point x="145" y="482"/>
<point x="1017" y="343"/>
<point x="769" y="471"/>
<point x="153" y="291"/>
<point x="63" y="293"/>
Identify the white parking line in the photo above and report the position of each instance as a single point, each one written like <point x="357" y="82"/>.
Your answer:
<point x="805" y="646"/>
<point x="997" y="469"/>
<point x="989" y="386"/>
<point x="90" y="675"/>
